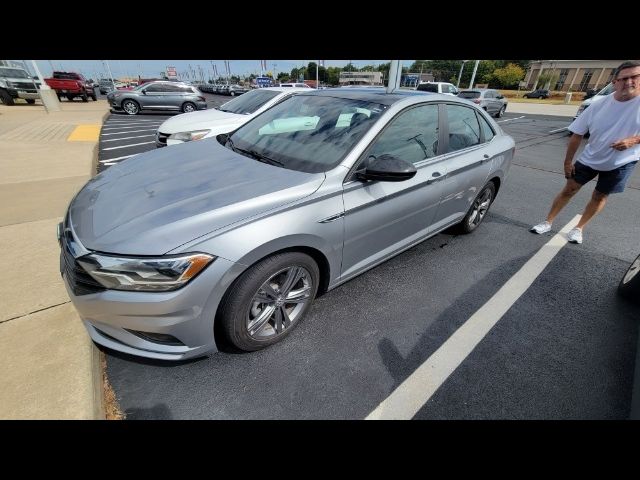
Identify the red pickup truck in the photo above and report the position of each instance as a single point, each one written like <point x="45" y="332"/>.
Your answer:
<point x="71" y="85"/>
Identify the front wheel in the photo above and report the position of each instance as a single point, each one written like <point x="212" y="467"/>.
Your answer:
<point x="267" y="301"/>
<point x="629" y="286"/>
<point x="6" y="98"/>
<point x="501" y="111"/>
<point x="478" y="209"/>
<point x="130" y="107"/>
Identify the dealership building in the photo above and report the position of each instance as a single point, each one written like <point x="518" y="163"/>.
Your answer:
<point x="572" y="75"/>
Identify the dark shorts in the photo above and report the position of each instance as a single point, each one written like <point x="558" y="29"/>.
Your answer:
<point x="612" y="181"/>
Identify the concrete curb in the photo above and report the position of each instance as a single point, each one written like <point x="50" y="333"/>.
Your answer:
<point x="97" y="373"/>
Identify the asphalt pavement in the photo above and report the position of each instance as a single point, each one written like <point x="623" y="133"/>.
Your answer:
<point x="564" y="350"/>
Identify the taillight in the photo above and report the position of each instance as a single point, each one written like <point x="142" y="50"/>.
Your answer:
<point x="202" y="99"/>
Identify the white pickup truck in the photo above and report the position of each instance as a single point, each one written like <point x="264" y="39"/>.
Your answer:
<point x="15" y="83"/>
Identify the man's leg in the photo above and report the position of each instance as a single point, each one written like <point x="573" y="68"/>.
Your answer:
<point x="561" y="200"/>
<point x="595" y="206"/>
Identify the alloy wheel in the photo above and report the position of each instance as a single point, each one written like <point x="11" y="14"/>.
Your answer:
<point x="278" y="303"/>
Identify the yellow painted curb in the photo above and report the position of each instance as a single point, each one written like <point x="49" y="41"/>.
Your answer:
<point x="85" y="133"/>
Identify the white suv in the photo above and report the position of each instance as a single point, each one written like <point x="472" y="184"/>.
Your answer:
<point x="438" y="87"/>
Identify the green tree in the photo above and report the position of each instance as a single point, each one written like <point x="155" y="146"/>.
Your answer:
<point x="547" y="79"/>
<point x="508" y="76"/>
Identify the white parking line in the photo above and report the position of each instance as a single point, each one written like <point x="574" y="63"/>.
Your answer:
<point x="129" y="131"/>
<point x="410" y="396"/>
<point x="119" y="124"/>
<point x="509" y="119"/>
<point x="126" y="146"/>
<point x="133" y="126"/>
<point x="559" y="129"/>
<point x="127" y="138"/>
<point x="117" y="158"/>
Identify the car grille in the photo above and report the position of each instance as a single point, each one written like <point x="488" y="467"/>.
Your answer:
<point x="24" y="86"/>
<point x="80" y="282"/>
<point x="162" y="138"/>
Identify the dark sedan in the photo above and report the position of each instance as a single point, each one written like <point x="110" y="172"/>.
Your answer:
<point x="540" y="93"/>
<point x="175" y="96"/>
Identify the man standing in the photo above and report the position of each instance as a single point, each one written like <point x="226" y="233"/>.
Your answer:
<point x="611" y="154"/>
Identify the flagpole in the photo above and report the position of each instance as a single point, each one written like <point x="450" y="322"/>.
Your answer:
<point x="317" y="72"/>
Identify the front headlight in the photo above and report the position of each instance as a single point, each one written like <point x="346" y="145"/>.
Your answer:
<point x="188" y="136"/>
<point x="152" y="274"/>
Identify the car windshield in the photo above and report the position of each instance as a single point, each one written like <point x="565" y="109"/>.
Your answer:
<point x="606" y="90"/>
<point x="469" y="94"/>
<point x="249" y="102"/>
<point x="306" y="133"/>
<point x="139" y="87"/>
<point x="13" y="73"/>
<point x="65" y="76"/>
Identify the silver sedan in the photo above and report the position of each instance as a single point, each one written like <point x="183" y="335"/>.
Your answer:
<point x="230" y="239"/>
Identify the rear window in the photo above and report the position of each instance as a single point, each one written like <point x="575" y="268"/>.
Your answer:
<point x="469" y="94"/>
<point x="428" y="87"/>
<point x="65" y="76"/>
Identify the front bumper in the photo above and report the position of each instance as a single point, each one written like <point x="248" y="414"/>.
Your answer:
<point x="25" y="94"/>
<point x="163" y="325"/>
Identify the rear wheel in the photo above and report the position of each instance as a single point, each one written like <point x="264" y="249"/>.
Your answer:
<point x="85" y="97"/>
<point x="267" y="301"/>
<point x="188" y="107"/>
<point x="501" y="111"/>
<point x="130" y="107"/>
<point x="478" y="209"/>
<point x="629" y="286"/>
<point x="31" y="101"/>
<point x="70" y="98"/>
<point x="94" y="97"/>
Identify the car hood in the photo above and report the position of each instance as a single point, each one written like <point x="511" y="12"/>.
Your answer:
<point x="154" y="202"/>
<point x="202" y="120"/>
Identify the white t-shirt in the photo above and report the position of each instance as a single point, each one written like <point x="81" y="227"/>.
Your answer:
<point x="607" y="122"/>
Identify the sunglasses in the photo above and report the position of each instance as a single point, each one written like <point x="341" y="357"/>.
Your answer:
<point x="633" y="78"/>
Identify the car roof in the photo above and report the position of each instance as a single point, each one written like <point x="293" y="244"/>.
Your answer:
<point x="370" y="94"/>
<point x="284" y="89"/>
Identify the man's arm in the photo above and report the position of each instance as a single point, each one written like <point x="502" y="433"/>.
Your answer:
<point x="626" y="142"/>
<point x="574" y="143"/>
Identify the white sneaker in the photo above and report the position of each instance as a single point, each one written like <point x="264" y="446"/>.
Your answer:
<point x="541" y="228"/>
<point x="575" y="235"/>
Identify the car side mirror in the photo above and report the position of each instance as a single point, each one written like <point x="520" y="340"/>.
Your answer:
<point x="386" y="168"/>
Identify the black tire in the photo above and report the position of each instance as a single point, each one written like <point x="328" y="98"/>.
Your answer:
<point x="629" y="286"/>
<point x="30" y="101"/>
<point x="501" y="111"/>
<point x="85" y="97"/>
<point x="70" y="98"/>
<point x="240" y="309"/>
<point x="189" y="107"/>
<point x="94" y="97"/>
<point x="6" y="98"/>
<point x="131" y="107"/>
<point x="477" y="210"/>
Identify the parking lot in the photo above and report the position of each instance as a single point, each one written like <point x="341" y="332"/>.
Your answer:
<point x="564" y="348"/>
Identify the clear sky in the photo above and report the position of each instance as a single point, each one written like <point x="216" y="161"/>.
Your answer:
<point x="152" y="68"/>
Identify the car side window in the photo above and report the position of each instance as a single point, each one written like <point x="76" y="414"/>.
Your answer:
<point x="153" y="88"/>
<point x="464" y="130"/>
<point x="487" y="131"/>
<point x="411" y="136"/>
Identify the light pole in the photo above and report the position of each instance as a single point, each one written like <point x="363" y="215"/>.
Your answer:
<point x="460" y="74"/>
<point x="47" y="94"/>
<point x="473" y="75"/>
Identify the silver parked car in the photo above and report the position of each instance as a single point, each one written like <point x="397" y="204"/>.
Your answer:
<point x="230" y="239"/>
<point x="176" y="96"/>
<point x="492" y="101"/>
